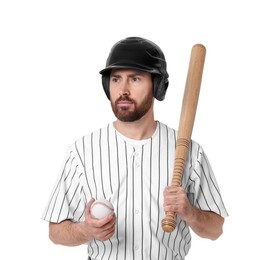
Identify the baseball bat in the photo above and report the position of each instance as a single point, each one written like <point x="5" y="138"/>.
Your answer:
<point x="186" y="123"/>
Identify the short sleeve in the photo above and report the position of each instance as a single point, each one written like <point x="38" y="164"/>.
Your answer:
<point x="66" y="200"/>
<point x="203" y="190"/>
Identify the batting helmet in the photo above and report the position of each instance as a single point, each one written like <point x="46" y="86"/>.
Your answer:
<point x="142" y="54"/>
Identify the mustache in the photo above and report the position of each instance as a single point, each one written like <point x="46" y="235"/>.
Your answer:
<point x="124" y="98"/>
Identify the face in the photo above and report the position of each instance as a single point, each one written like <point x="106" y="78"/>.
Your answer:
<point x="130" y="94"/>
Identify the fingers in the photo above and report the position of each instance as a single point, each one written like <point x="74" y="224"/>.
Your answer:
<point x="174" y="190"/>
<point x="174" y="195"/>
<point x="175" y="200"/>
<point x="104" y="228"/>
<point x="109" y="228"/>
<point x="104" y="223"/>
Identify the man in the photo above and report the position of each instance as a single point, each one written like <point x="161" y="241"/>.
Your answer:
<point x="130" y="163"/>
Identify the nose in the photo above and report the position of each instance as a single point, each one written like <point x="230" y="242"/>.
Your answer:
<point x="124" y="89"/>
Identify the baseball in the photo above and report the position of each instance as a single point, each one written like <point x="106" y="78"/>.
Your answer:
<point x="101" y="208"/>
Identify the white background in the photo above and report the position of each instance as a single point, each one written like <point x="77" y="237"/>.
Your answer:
<point x="51" y="94"/>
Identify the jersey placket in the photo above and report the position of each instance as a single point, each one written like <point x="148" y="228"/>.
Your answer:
<point x="136" y="199"/>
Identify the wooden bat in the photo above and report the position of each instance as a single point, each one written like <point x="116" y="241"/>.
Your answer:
<point x="186" y="123"/>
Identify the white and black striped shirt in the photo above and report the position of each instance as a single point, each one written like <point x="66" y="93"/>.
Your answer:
<point x="132" y="175"/>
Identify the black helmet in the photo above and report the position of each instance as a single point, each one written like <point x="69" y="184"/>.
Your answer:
<point x="141" y="54"/>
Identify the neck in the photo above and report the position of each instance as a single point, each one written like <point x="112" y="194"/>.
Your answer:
<point x="139" y="129"/>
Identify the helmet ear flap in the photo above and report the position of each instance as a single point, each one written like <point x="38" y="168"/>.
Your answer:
<point x="105" y="83"/>
<point x="160" y="85"/>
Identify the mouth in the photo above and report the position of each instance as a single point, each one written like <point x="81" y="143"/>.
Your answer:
<point x="124" y="103"/>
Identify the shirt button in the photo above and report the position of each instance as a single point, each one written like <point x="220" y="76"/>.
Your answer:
<point x="137" y="164"/>
<point x="137" y="211"/>
<point x="136" y="154"/>
<point x="136" y="247"/>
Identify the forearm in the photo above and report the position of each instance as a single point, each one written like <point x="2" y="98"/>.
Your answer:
<point x="206" y="224"/>
<point x="67" y="233"/>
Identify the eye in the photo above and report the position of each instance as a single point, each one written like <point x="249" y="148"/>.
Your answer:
<point x="136" y="79"/>
<point x="114" y="79"/>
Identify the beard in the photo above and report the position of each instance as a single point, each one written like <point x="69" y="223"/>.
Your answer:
<point x="126" y="114"/>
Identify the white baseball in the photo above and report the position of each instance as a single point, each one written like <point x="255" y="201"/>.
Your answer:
<point x="101" y="208"/>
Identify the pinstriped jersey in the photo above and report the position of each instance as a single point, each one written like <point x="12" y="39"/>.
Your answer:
<point x="132" y="175"/>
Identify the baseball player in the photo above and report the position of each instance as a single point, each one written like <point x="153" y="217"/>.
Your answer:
<point x="130" y="163"/>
